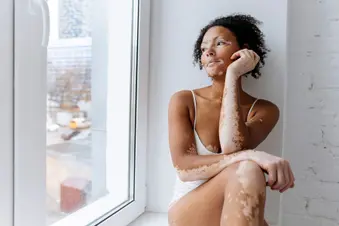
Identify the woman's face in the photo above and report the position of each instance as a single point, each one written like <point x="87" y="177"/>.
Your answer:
<point x="218" y="45"/>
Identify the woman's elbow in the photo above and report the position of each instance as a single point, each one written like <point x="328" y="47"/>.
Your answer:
<point x="186" y="176"/>
<point x="182" y="172"/>
<point x="233" y="147"/>
<point x="183" y="177"/>
<point x="230" y="149"/>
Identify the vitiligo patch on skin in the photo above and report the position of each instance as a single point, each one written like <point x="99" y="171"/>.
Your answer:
<point x="212" y="148"/>
<point x="192" y="149"/>
<point x="201" y="172"/>
<point x="229" y="120"/>
<point x="215" y="68"/>
<point x="251" y="198"/>
<point x="251" y="205"/>
<point x="207" y="171"/>
<point x="243" y="168"/>
<point x="252" y="119"/>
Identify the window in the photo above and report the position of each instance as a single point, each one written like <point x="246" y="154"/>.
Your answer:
<point x="80" y="113"/>
<point x="70" y="22"/>
<point x="75" y="18"/>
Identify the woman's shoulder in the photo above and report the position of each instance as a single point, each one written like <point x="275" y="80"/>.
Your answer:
<point x="186" y="96"/>
<point x="181" y="98"/>
<point x="258" y="102"/>
<point x="264" y="107"/>
<point x="182" y="95"/>
<point x="264" y="103"/>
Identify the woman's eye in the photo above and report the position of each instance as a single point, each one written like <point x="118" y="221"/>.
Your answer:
<point x="203" y="49"/>
<point x="220" y="43"/>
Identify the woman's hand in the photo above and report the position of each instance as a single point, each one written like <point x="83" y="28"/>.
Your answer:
<point x="280" y="176"/>
<point x="245" y="61"/>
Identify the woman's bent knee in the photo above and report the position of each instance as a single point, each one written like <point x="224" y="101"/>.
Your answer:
<point x="250" y="177"/>
<point x="246" y="191"/>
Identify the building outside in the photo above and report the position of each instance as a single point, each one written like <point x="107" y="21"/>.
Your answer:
<point x="68" y="147"/>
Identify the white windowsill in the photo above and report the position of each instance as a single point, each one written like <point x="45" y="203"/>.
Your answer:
<point x="151" y="219"/>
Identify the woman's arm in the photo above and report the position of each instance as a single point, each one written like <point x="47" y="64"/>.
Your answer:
<point x="189" y="165"/>
<point x="234" y="133"/>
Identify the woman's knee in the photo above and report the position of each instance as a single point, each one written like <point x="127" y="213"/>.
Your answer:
<point x="248" y="177"/>
<point x="245" y="191"/>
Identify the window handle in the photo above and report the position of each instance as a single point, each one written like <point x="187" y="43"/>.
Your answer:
<point x="42" y="4"/>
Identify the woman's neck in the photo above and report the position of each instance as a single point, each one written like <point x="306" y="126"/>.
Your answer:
<point x="218" y="87"/>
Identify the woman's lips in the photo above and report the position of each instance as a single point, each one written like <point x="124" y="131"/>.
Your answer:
<point x="214" y="62"/>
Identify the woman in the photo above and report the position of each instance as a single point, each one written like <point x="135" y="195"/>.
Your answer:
<point x="213" y="133"/>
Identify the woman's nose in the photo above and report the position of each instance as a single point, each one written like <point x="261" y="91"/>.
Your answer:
<point x="210" y="52"/>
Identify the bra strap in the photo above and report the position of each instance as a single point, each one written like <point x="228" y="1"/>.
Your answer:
<point x="252" y="107"/>
<point x="195" y="108"/>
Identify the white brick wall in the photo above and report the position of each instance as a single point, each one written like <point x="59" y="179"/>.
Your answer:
<point x="311" y="118"/>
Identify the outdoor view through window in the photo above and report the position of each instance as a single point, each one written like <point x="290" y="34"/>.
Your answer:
<point x="68" y="156"/>
<point x="76" y="151"/>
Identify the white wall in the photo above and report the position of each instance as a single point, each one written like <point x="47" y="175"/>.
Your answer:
<point x="174" y="27"/>
<point x="311" y="141"/>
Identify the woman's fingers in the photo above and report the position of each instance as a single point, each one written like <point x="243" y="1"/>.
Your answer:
<point x="272" y="175"/>
<point x="248" y="54"/>
<point x="289" y="185"/>
<point x="237" y="55"/>
<point x="288" y="178"/>
<point x="242" y="53"/>
<point x="281" y="181"/>
<point x="289" y="172"/>
<point x="253" y="56"/>
<point x="256" y="57"/>
<point x="292" y="176"/>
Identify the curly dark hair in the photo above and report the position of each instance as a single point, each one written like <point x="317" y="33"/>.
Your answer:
<point x="245" y="28"/>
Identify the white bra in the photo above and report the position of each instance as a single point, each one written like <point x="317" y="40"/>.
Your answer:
<point x="201" y="148"/>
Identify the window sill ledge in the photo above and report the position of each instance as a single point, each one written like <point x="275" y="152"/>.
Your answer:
<point x="154" y="219"/>
<point x="151" y="219"/>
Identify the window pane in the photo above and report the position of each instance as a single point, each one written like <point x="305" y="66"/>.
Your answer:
<point x="75" y="18"/>
<point x="90" y="112"/>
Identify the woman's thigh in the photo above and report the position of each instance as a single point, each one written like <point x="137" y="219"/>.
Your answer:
<point x="203" y="206"/>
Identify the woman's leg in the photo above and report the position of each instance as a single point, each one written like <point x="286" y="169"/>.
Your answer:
<point x="245" y="195"/>
<point x="224" y="200"/>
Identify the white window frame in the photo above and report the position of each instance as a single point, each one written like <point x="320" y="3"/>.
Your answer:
<point x="6" y="113"/>
<point x="30" y="99"/>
